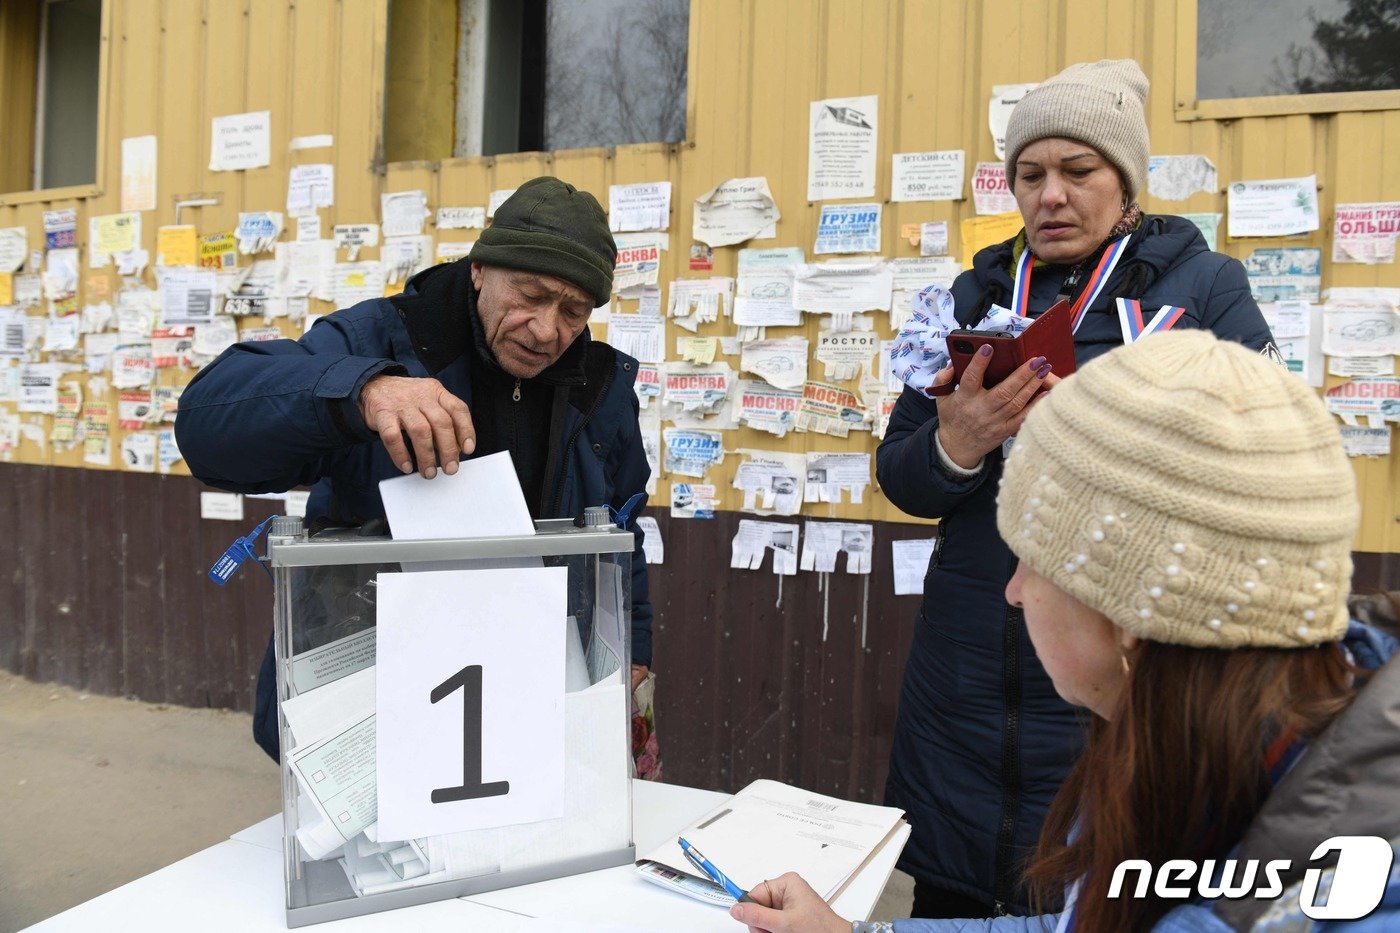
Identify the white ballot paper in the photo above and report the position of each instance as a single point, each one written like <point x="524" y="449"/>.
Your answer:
<point x="734" y="211"/>
<point x="828" y="474"/>
<point x="753" y="540"/>
<point x="483" y="500"/>
<point x="335" y="772"/>
<point x="771" y="481"/>
<point x="843" y="285"/>
<point x="824" y="539"/>
<point x="911" y="559"/>
<point x="769" y="828"/>
<point x="472" y="727"/>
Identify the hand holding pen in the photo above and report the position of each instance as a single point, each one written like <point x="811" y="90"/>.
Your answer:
<point x="787" y="904"/>
<point x="697" y="858"/>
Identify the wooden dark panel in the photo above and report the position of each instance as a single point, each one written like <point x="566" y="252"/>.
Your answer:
<point x="183" y="618"/>
<point x="143" y="613"/>
<point x="11" y="577"/>
<point x="748" y="688"/>
<point x="58" y="605"/>
<point x="36" y="657"/>
<point x="105" y="562"/>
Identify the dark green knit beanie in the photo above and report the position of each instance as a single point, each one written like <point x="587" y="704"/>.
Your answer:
<point x="552" y="227"/>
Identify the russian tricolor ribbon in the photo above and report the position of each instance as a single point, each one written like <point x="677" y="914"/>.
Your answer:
<point x="1135" y="327"/>
<point x="1021" y="291"/>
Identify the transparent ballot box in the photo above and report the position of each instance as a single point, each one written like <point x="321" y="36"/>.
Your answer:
<point x="454" y="714"/>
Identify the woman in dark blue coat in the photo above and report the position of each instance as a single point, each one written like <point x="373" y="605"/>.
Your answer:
<point x="982" y="741"/>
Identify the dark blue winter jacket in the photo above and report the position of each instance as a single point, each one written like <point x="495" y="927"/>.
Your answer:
<point x="268" y="416"/>
<point x="982" y="741"/>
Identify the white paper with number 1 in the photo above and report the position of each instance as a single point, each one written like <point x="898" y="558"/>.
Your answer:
<point x="489" y="646"/>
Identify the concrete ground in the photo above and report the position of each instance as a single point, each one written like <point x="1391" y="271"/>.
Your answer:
<point x="98" y="791"/>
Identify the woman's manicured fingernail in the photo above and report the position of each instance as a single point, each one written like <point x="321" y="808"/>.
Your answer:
<point x="1043" y="371"/>
<point x="986" y="350"/>
<point x="1037" y="362"/>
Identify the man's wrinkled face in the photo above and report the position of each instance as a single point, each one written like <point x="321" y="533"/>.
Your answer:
<point x="529" y="318"/>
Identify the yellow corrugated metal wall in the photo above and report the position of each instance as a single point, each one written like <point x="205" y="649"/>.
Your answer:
<point x="755" y="65"/>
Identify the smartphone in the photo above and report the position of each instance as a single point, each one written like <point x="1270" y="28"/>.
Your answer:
<point x="1049" y="336"/>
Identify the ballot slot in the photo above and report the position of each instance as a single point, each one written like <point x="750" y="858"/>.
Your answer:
<point x="349" y="611"/>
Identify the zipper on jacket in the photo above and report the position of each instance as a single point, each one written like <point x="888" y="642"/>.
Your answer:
<point x="515" y="396"/>
<point x="1010" y="760"/>
<point x="569" y="447"/>
<point x="1068" y="285"/>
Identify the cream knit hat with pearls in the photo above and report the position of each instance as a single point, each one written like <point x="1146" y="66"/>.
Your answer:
<point x="1190" y="490"/>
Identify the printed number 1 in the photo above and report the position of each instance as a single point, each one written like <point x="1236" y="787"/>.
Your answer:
<point x="471" y="788"/>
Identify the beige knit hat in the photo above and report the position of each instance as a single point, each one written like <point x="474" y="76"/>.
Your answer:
<point x="1098" y="103"/>
<point x="1192" y="491"/>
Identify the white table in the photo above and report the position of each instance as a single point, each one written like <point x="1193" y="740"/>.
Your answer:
<point x="237" y="886"/>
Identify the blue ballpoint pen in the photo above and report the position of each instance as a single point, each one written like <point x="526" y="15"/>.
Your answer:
<point x="698" y="859"/>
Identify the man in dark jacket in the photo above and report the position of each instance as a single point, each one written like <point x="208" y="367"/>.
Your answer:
<point x="478" y="356"/>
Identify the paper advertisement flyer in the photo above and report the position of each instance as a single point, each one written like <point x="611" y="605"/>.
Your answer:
<point x="927" y="176"/>
<point x="841" y="148"/>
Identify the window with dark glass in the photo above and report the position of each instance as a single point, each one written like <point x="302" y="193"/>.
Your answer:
<point x="535" y="75"/>
<point x="1265" y="48"/>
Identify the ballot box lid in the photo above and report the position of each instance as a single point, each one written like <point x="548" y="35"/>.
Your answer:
<point x="552" y="537"/>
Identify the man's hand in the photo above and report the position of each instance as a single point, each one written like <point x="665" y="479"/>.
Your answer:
<point x="787" y="904"/>
<point x="639" y="674"/>
<point x="405" y="410"/>
<point x="973" y="421"/>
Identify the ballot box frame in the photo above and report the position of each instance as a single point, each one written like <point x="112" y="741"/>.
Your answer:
<point x="345" y="547"/>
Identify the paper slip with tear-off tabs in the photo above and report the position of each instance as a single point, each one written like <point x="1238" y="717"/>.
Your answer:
<point x="769" y="828"/>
